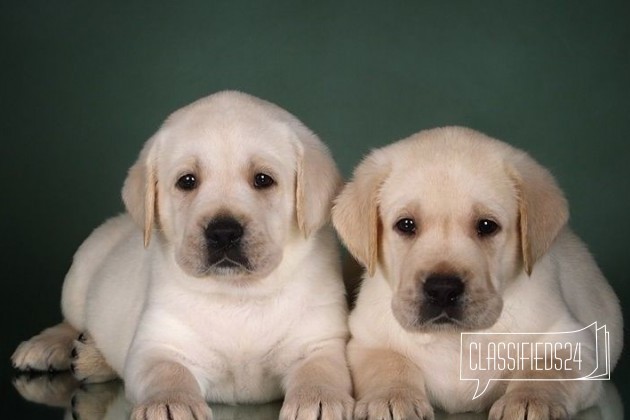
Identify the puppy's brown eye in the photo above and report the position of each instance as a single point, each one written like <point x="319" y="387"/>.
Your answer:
<point x="263" y="181"/>
<point x="487" y="227"/>
<point x="406" y="226"/>
<point x="187" y="182"/>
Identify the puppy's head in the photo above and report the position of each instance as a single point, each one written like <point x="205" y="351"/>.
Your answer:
<point x="449" y="217"/>
<point x="228" y="182"/>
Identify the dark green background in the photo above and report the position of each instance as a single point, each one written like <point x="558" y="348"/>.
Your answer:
<point x="85" y="83"/>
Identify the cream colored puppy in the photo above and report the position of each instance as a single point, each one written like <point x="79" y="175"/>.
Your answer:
<point x="221" y="283"/>
<point x="460" y="232"/>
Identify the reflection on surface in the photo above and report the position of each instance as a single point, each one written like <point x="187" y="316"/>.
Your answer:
<point x="107" y="401"/>
<point x="53" y="390"/>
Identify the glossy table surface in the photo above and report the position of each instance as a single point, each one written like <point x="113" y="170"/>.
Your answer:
<point x="59" y="396"/>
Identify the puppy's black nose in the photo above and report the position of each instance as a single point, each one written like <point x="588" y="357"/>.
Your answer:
<point x="223" y="233"/>
<point x="443" y="290"/>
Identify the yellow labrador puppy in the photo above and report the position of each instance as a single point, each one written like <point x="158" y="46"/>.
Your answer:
<point x="460" y="232"/>
<point x="221" y="283"/>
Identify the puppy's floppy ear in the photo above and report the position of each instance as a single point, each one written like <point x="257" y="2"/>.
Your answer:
<point x="355" y="213"/>
<point x="317" y="182"/>
<point x="140" y="189"/>
<point x="543" y="210"/>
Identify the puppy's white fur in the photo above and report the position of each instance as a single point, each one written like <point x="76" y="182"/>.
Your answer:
<point x="532" y="275"/>
<point x="180" y="330"/>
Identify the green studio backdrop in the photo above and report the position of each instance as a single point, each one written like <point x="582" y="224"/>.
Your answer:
<point x="84" y="84"/>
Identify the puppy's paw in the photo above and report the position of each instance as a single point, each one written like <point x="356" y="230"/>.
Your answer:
<point x="394" y="405"/>
<point x="48" y="351"/>
<point x="175" y="406"/>
<point x="314" y="403"/>
<point x="527" y="404"/>
<point x="87" y="363"/>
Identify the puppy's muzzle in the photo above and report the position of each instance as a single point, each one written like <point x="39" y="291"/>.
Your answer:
<point x="224" y="237"/>
<point x="442" y="297"/>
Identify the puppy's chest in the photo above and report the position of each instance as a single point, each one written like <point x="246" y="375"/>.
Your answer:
<point x="243" y="351"/>
<point x="445" y="373"/>
<point x="245" y="368"/>
<point x="239" y="343"/>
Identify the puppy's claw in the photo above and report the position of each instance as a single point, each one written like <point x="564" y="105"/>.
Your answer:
<point x="397" y="406"/>
<point x="173" y="407"/>
<point x="528" y="404"/>
<point x="88" y="364"/>
<point x="315" y="403"/>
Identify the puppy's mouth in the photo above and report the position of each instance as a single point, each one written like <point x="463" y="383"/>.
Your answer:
<point x="443" y="319"/>
<point x="228" y="263"/>
<point x="441" y="315"/>
<point x="419" y="318"/>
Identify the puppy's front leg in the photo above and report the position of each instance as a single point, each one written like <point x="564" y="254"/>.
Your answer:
<point x="387" y="385"/>
<point x="319" y="386"/>
<point x="167" y="390"/>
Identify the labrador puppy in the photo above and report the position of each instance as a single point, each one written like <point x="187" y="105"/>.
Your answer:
<point x="459" y="232"/>
<point x="221" y="282"/>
